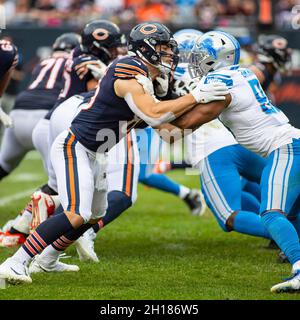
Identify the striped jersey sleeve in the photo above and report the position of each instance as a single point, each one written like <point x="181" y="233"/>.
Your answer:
<point x="219" y="77"/>
<point x="129" y="67"/>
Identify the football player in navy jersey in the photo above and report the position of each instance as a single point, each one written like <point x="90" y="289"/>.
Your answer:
<point x="273" y="59"/>
<point x="8" y="60"/>
<point x="101" y="43"/>
<point x="79" y="155"/>
<point x="33" y="103"/>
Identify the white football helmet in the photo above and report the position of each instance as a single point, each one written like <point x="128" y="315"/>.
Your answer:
<point x="212" y="51"/>
<point x="185" y="39"/>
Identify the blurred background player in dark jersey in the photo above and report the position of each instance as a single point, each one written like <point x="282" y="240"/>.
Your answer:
<point x="272" y="60"/>
<point x="8" y="61"/>
<point x="33" y="103"/>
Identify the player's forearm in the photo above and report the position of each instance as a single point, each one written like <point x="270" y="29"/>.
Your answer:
<point x="177" y="106"/>
<point x="156" y="113"/>
<point x="200" y="114"/>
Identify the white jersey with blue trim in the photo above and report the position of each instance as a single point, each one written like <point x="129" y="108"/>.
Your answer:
<point x="209" y="137"/>
<point x="254" y="121"/>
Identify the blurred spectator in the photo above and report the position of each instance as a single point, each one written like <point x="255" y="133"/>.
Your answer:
<point x="285" y="13"/>
<point x="154" y="10"/>
<point x="206" y="12"/>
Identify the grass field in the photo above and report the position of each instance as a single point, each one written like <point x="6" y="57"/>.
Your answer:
<point x="156" y="250"/>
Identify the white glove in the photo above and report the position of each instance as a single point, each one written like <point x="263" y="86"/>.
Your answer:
<point x="96" y="66"/>
<point x="183" y="87"/>
<point x="6" y="119"/>
<point x="98" y="70"/>
<point x="162" y="86"/>
<point x="146" y="83"/>
<point x="205" y="93"/>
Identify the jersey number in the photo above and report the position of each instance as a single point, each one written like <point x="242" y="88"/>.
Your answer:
<point x="67" y="77"/>
<point x="50" y="64"/>
<point x="261" y="97"/>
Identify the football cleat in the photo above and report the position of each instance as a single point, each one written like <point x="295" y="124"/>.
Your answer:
<point x="282" y="258"/>
<point x="85" y="246"/>
<point x="14" y="272"/>
<point x="37" y="266"/>
<point x="9" y="224"/>
<point x="8" y="239"/>
<point x="272" y="245"/>
<point x="43" y="206"/>
<point x="195" y="202"/>
<point x="291" y="284"/>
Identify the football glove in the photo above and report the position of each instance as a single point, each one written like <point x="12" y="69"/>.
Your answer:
<point x="207" y="92"/>
<point x="161" y="86"/>
<point x="96" y="66"/>
<point x="181" y="87"/>
<point x="5" y="119"/>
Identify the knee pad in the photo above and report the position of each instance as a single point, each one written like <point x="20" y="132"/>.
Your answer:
<point x="119" y="199"/>
<point x="3" y="173"/>
<point x="230" y="221"/>
<point x="46" y="189"/>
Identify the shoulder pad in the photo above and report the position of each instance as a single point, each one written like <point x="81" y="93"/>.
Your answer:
<point x="219" y="77"/>
<point x="129" y="67"/>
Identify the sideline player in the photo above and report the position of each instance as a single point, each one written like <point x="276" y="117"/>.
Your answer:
<point x="33" y="103"/>
<point x="8" y="61"/>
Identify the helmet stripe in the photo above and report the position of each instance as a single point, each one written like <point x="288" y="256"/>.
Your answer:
<point x="236" y="46"/>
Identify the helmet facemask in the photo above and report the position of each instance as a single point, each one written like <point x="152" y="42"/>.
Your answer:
<point x="152" y="53"/>
<point x="200" y="64"/>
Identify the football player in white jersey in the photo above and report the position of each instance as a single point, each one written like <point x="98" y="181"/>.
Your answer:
<point x="221" y="160"/>
<point x="260" y="127"/>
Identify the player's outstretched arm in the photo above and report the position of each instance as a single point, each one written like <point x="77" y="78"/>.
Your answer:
<point x="151" y="110"/>
<point x="138" y="94"/>
<point x="202" y="113"/>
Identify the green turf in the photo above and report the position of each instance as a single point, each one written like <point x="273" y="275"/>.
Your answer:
<point x="156" y="250"/>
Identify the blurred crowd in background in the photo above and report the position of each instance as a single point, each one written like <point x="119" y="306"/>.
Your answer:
<point x="33" y="24"/>
<point x="202" y="13"/>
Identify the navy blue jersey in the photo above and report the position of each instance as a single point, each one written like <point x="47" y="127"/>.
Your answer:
<point x="106" y="109"/>
<point x="268" y="76"/>
<point x="75" y="80"/>
<point x="45" y="85"/>
<point x="8" y="57"/>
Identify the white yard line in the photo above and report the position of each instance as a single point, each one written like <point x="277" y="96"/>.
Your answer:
<point x="5" y="200"/>
<point x="24" y="176"/>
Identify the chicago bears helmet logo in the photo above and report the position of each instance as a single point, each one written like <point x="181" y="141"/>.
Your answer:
<point x="100" y="34"/>
<point x="279" y="43"/>
<point x="148" y="29"/>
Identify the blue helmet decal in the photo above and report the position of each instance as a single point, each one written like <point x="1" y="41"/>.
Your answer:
<point x="207" y="45"/>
